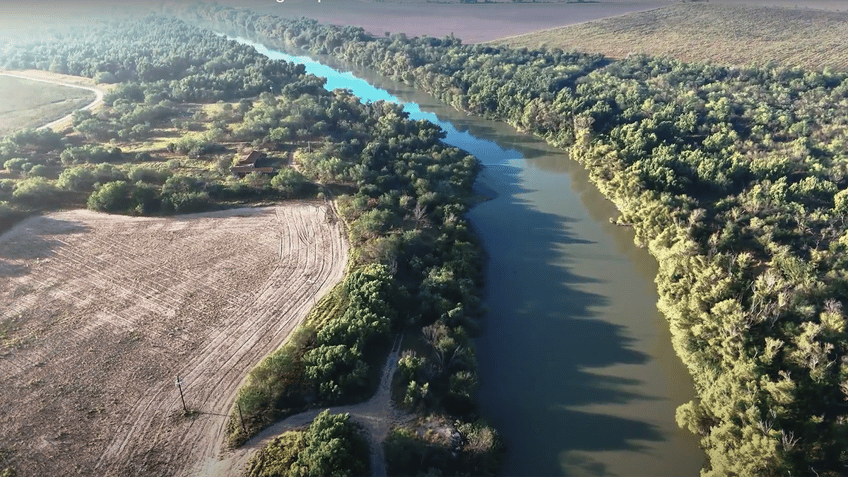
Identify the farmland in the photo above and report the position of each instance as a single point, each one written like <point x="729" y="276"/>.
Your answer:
<point x="708" y="32"/>
<point x="100" y="314"/>
<point x="471" y="22"/>
<point x="26" y="103"/>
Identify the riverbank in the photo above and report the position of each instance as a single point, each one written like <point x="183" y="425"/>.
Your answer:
<point x="548" y="220"/>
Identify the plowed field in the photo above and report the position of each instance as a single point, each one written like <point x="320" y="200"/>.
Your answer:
<point x="100" y="313"/>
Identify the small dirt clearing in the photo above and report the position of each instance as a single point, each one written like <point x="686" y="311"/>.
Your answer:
<point x="100" y="313"/>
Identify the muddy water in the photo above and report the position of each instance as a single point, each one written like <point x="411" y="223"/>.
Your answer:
<point x="577" y="370"/>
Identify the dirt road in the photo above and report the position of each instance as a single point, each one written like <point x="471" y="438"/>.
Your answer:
<point x="61" y="80"/>
<point x="100" y="313"/>
<point x="376" y="415"/>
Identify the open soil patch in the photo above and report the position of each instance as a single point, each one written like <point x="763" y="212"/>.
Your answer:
<point x="100" y="313"/>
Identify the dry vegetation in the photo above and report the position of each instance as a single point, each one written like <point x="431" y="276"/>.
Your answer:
<point x="722" y="34"/>
<point x="471" y="22"/>
<point x="27" y="103"/>
<point x="100" y="313"/>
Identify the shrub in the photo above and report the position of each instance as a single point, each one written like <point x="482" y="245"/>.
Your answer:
<point x="278" y="457"/>
<point x="330" y="446"/>
<point x="90" y="153"/>
<point x="107" y="173"/>
<point x="289" y="181"/>
<point x="16" y="165"/>
<point x="333" y="447"/>
<point x="76" y="178"/>
<point x="149" y="175"/>
<point x="105" y="77"/>
<point x="185" y="202"/>
<point x="146" y="199"/>
<point x="37" y="170"/>
<point x="7" y="186"/>
<point x="35" y="191"/>
<point x="180" y="183"/>
<point x="111" y="197"/>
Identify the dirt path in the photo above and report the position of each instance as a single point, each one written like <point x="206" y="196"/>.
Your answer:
<point x="61" y="80"/>
<point x="100" y="313"/>
<point x="377" y="416"/>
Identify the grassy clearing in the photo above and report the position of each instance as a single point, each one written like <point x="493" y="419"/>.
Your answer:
<point x="705" y="32"/>
<point x="29" y="104"/>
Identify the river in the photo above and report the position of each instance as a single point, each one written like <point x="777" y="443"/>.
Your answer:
<point x="576" y="365"/>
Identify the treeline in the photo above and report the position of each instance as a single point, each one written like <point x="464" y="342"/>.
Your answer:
<point x="420" y="269"/>
<point x="735" y="180"/>
<point x="163" y="64"/>
<point x="197" y="65"/>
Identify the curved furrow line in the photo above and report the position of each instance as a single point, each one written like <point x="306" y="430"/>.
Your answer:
<point x="300" y="309"/>
<point x="249" y="349"/>
<point x="107" y="275"/>
<point x="176" y="276"/>
<point x="247" y="358"/>
<point x="170" y="277"/>
<point x="215" y="343"/>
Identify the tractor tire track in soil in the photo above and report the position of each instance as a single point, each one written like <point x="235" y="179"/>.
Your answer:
<point x="101" y="313"/>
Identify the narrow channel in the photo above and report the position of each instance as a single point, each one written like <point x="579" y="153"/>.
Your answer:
<point x="576" y="365"/>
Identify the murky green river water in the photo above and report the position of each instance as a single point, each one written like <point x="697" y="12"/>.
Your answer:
<point x="576" y="364"/>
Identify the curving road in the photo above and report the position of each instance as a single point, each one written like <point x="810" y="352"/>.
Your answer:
<point x="97" y="100"/>
<point x="376" y="415"/>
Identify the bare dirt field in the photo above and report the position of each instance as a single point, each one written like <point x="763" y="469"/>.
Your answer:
<point x="26" y="103"/>
<point x="100" y="313"/>
<point x="729" y="34"/>
<point x="471" y="22"/>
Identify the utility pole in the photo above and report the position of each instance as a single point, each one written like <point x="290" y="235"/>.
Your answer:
<point x="241" y="417"/>
<point x="179" y="384"/>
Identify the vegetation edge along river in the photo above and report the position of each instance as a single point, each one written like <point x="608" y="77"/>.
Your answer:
<point x="617" y="379"/>
<point x="733" y="178"/>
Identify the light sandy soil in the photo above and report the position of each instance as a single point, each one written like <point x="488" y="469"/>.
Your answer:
<point x="62" y="80"/>
<point x="472" y="23"/>
<point x="710" y="32"/>
<point x="100" y="313"/>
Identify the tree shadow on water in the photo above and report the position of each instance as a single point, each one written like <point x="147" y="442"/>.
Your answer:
<point x="543" y="335"/>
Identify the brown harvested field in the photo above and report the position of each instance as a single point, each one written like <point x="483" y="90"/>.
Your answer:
<point x="472" y="23"/>
<point x="99" y="314"/>
<point x="728" y="34"/>
<point x="25" y="103"/>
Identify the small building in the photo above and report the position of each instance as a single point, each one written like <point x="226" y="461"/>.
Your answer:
<point x="251" y="162"/>
<point x="250" y="158"/>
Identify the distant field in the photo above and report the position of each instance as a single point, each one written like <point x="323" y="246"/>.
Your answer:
<point x="472" y="23"/>
<point x="26" y="103"/>
<point x="724" y="34"/>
